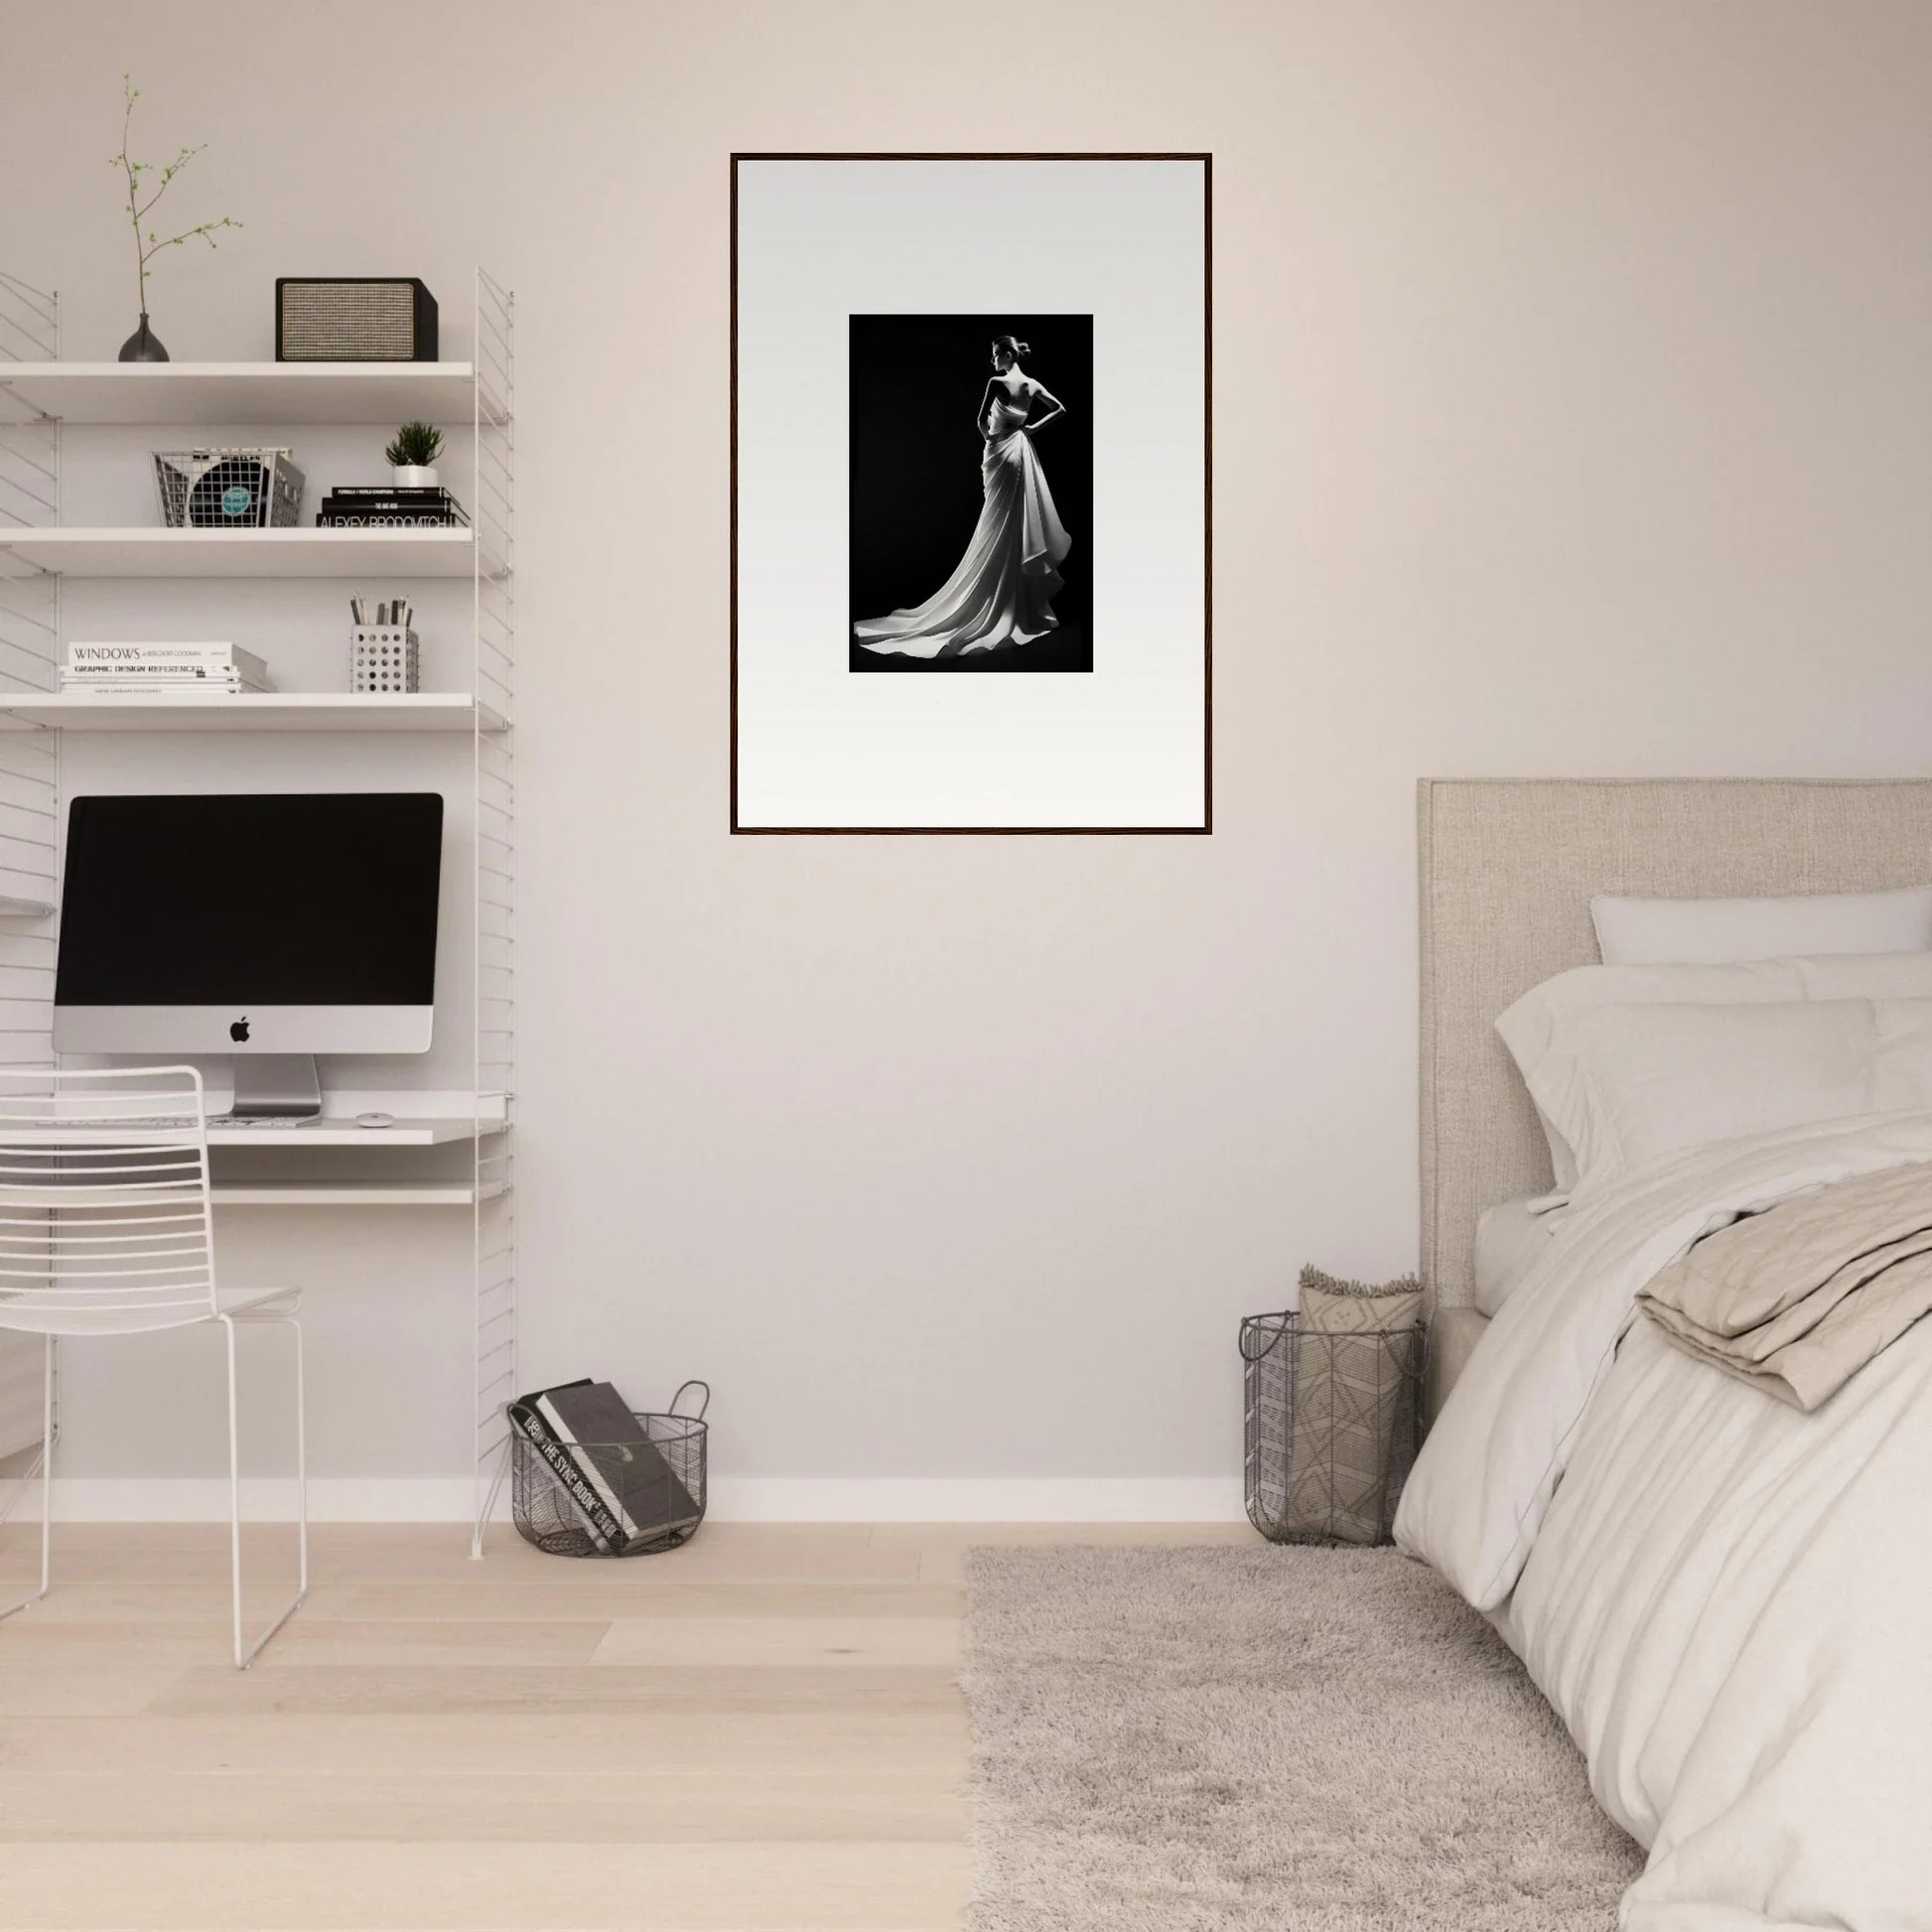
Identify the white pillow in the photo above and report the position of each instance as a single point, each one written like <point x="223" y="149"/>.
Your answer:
<point x="1511" y="1238"/>
<point x="1640" y="1081"/>
<point x="1540" y="1029"/>
<point x="1711" y="932"/>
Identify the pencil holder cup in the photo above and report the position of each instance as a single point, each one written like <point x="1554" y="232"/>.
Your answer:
<point x="383" y="657"/>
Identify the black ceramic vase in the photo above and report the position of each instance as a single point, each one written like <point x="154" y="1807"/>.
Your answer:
<point x="144" y="346"/>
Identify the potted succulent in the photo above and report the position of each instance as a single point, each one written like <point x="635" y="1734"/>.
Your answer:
<point x="412" y="454"/>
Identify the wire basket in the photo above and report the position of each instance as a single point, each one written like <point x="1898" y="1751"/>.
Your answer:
<point x="1331" y="1428"/>
<point x="547" y="1514"/>
<point x="227" y="489"/>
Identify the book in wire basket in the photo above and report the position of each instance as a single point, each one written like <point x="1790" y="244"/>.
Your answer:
<point x="590" y="1476"/>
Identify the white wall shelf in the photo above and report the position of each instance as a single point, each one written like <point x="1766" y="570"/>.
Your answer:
<point x="330" y="1130"/>
<point x="244" y="392"/>
<point x="147" y="552"/>
<point x="41" y="399"/>
<point x="348" y="1193"/>
<point x="277" y="710"/>
<point x="439" y="1132"/>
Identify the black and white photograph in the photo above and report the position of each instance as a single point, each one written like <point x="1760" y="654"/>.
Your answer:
<point x="971" y="493"/>
<point x="971" y="440"/>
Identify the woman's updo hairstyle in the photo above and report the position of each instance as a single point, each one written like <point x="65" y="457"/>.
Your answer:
<point x="1013" y="345"/>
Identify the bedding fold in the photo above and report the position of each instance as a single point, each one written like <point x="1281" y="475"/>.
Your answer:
<point x="1798" y="1299"/>
<point x="1721" y="1595"/>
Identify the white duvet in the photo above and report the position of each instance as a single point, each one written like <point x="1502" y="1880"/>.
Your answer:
<point x="1728" y="1601"/>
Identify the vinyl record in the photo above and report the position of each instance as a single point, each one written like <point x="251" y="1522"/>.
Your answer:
<point x="230" y="493"/>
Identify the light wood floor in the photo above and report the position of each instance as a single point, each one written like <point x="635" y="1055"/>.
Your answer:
<point x="759" y="1730"/>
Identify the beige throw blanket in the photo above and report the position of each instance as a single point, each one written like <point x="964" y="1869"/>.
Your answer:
<point x="1798" y="1299"/>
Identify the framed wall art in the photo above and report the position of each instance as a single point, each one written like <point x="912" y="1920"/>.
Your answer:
<point x="971" y="493"/>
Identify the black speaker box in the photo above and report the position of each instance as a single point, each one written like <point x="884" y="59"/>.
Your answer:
<point x="354" y="319"/>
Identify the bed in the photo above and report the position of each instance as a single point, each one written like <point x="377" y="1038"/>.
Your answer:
<point x="1722" y="1596"/>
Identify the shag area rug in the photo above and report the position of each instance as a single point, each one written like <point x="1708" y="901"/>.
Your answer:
<point x="1226" y="1739"/>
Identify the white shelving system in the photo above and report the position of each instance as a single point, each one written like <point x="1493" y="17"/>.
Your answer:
<point x="40" y="394"/>
<point x="30" y="768"/>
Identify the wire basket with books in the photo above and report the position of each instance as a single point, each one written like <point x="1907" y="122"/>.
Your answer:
<point x="590" y="1476"/>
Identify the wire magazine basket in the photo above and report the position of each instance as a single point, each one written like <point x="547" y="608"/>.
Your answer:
<point x="228" y="488"/>
<point x="1331" y="1422"/>
<point x="549" y="1515"/>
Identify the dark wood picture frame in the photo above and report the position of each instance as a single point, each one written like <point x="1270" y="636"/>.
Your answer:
<point x="1206" y="825"/>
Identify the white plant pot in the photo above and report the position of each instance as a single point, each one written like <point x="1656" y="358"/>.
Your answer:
<point x="414" y="475"/>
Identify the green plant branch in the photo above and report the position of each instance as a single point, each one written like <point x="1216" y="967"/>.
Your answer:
<point x="146" y="249"/>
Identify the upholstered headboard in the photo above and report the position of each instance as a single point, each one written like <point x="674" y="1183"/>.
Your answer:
<point x="1508" y="867"/>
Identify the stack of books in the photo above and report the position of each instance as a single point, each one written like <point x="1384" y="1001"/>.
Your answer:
<point x="386" y="506"/>
<point x="123" y="668"/>
<point x="617" y="1478"/>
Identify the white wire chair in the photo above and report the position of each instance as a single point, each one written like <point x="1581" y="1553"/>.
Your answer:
<point x="106" y="1229"/>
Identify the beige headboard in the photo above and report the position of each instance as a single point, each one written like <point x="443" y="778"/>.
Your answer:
<point x="1508" y="867"/>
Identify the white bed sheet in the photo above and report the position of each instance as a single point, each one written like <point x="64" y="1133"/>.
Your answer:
<point x="1725" y="1599"/>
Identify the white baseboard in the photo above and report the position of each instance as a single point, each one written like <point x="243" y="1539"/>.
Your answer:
<point x="205" y="1500"/>
<point x="734" y="1499"/>
<point x="977" y="1499"/>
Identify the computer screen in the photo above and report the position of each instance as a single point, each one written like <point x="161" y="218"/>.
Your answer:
<point x="274" y="922"/>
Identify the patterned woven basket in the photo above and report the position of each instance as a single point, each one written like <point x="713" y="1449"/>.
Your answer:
<point x="1331" y="1428"/>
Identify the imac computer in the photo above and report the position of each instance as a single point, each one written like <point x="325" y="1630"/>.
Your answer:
<point x="268" y="926"/>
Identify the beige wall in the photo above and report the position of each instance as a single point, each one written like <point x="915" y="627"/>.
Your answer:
<point x="1574" y="415"/>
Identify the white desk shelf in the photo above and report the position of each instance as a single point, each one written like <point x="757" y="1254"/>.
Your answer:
<point x="277" y="710"/>
<point x="351" y="1193"/>
<point x="45" y="562"/>
<point x="431" y="1130"/>
<point x="106" y="551"/>
<point x="383" y="394"/>
<point x="437" y="1132"/>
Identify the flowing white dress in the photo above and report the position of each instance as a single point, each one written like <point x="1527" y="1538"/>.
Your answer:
<point x="1002" y="592"/>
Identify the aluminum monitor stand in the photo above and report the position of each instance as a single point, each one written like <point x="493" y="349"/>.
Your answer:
<point x="276" y="1083"/>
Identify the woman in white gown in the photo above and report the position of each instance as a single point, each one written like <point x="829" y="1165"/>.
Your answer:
<point x="1002" y="593"/>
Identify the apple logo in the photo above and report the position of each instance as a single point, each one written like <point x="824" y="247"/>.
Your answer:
<point x="239" y="1030"/>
